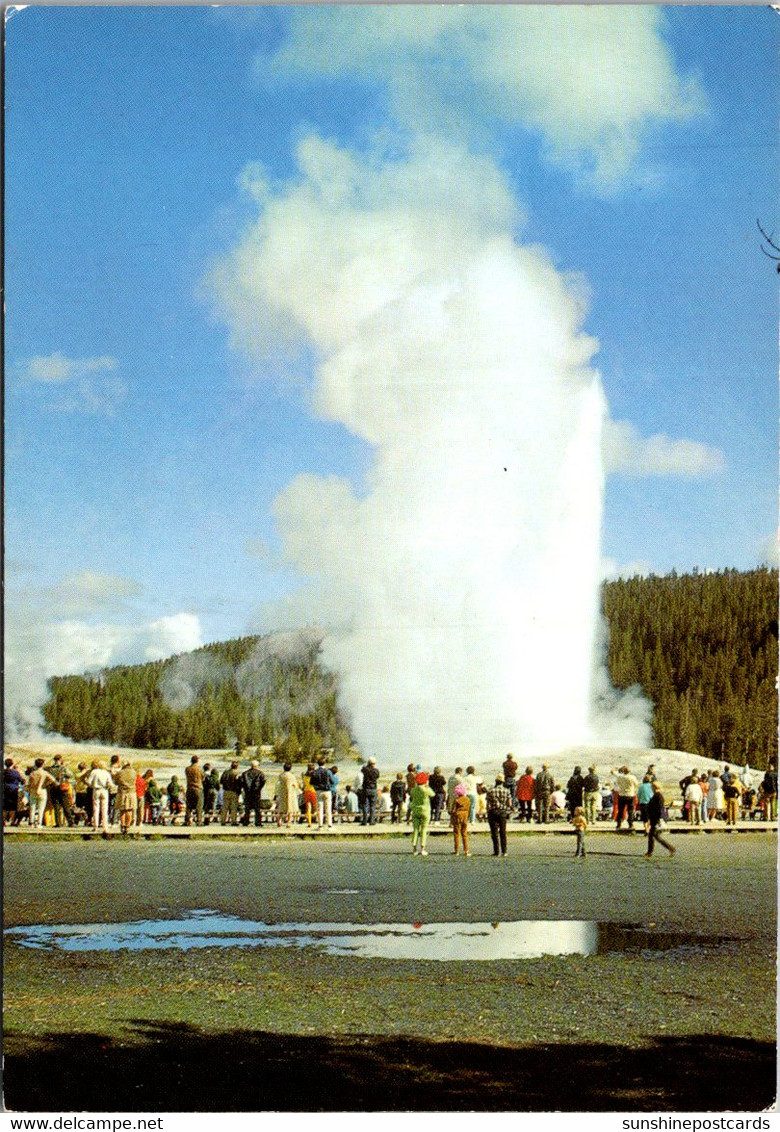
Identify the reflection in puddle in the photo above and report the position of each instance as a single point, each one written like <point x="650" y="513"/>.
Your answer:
<point x="523" y="939"/>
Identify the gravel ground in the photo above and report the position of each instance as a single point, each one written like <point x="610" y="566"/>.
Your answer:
<point x="660" y="1026"/>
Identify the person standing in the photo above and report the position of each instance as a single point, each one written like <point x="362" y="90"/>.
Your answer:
<point x="140" y="798"/>
<point x="509" y="770"/>
<point x="253" y="781"/>
<point x="545" y="784"/>
<point x="525" y="793"/>
<point x="99" y="780"/>
<point x="716" y="803"/>
<point x="421" y="813"/>
<point x="370" y="781"/>
<point x="732" y="790"/>
<point x="499" y="808"/>
<point x="769" y="791"/>
<point x="591" y="795"/>
<point x="574" y="791"/>
<point x="411" y="782"/>
<point x="13" y="785"/>
<point x="193" y="797"/>
<point x="309" y="799"/>
<point x="655" y="813"/>
<point x="114" y="767"/>
<point x="153" y="799"/>
<point x="210" y="790"/>
<point x="459" y="818"/>
<point x="125" y="795"/>
<point x="231" y="783"/>
<point x="438" y="784"/>
<point x="580" y="823"/>
<point x="334" y="791"/>
<point x="454" y="780"/>
<point x="693" y="797"/>
<point x="321" y="779"/>
<point x="473" y="784"/>
<point x="60" y="792"/>
<point x="287" y="796"/>
<point x="643" y="795"/>
<point x="397" y="797"/>
<point x="38" y="782"/>
<point x="627" y="787"/>
<point x="84" y="792"/>
<point x="704" y="782"/>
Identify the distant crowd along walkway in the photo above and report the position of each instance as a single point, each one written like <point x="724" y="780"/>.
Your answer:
<point x="100" y="798"/>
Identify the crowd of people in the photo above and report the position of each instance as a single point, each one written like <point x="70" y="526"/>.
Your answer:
<point x="100" y="795"/>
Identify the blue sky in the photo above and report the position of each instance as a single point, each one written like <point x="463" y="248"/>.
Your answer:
<point x="142" y="447"/>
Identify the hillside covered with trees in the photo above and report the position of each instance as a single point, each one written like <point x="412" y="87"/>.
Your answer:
<point x="703" y="648"/>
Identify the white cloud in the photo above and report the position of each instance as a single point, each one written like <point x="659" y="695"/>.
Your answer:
<point x="57" y="368"/>
<point x="89" y="386"/>
<point x="590" y="79"/>
<point x="65" y="630"/>
<point x="630" y="454"/>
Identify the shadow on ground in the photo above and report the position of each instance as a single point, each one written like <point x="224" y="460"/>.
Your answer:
<point x="175" y="1067"/>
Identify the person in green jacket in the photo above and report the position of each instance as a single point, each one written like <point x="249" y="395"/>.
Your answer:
<point x="421" y="813"/>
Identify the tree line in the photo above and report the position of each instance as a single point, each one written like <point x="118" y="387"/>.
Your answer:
<point x="702" y="647"/>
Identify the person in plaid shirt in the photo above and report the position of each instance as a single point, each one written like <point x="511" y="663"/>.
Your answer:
<point x="499" y="807"/>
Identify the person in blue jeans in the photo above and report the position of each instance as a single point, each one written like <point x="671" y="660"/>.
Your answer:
<point x="370" y="780"/>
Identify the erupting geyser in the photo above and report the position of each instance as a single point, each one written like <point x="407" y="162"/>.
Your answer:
<point x="463" y="583"/>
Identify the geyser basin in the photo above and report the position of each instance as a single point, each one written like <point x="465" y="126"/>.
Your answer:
<point x="522" y="939"/>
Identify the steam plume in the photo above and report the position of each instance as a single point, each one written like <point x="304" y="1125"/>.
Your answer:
<point x="470" y="570"/>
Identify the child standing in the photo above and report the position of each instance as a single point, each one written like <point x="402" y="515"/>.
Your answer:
<point x="580" y="826"/>
<point x="459" y="818"/>
<point x="397" y="797"/>
<point x="309" y="802"/>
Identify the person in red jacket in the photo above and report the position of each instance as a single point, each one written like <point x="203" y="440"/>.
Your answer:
<point x="140" y="795"/>
<point x="526" y="791"/>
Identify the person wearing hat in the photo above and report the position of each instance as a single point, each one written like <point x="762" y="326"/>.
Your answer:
<point x="459" y="818"/>
<point x="60" y="794"/>
<point x="499" y="807"/>
<point x="421" y="813"/>
<point x="370" y="780"/>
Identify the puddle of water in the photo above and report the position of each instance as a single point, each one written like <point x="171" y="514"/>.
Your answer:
<point x="524" y="939"/>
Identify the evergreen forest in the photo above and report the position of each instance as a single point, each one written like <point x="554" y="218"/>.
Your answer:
<point x="702" y="647"/>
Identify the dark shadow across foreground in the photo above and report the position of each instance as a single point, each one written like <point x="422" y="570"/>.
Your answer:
<point x="174" y="1067"/>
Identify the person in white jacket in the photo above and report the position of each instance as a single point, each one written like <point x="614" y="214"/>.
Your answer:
<point x="694" y="797"/>
<point x="101" y="781"/>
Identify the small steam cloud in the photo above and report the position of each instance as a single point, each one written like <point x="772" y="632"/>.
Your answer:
<point x="90" y="386"/>
<point x="285" y="692"/>
<point x="71" y="628"/>
<point x="630" y="454"/>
